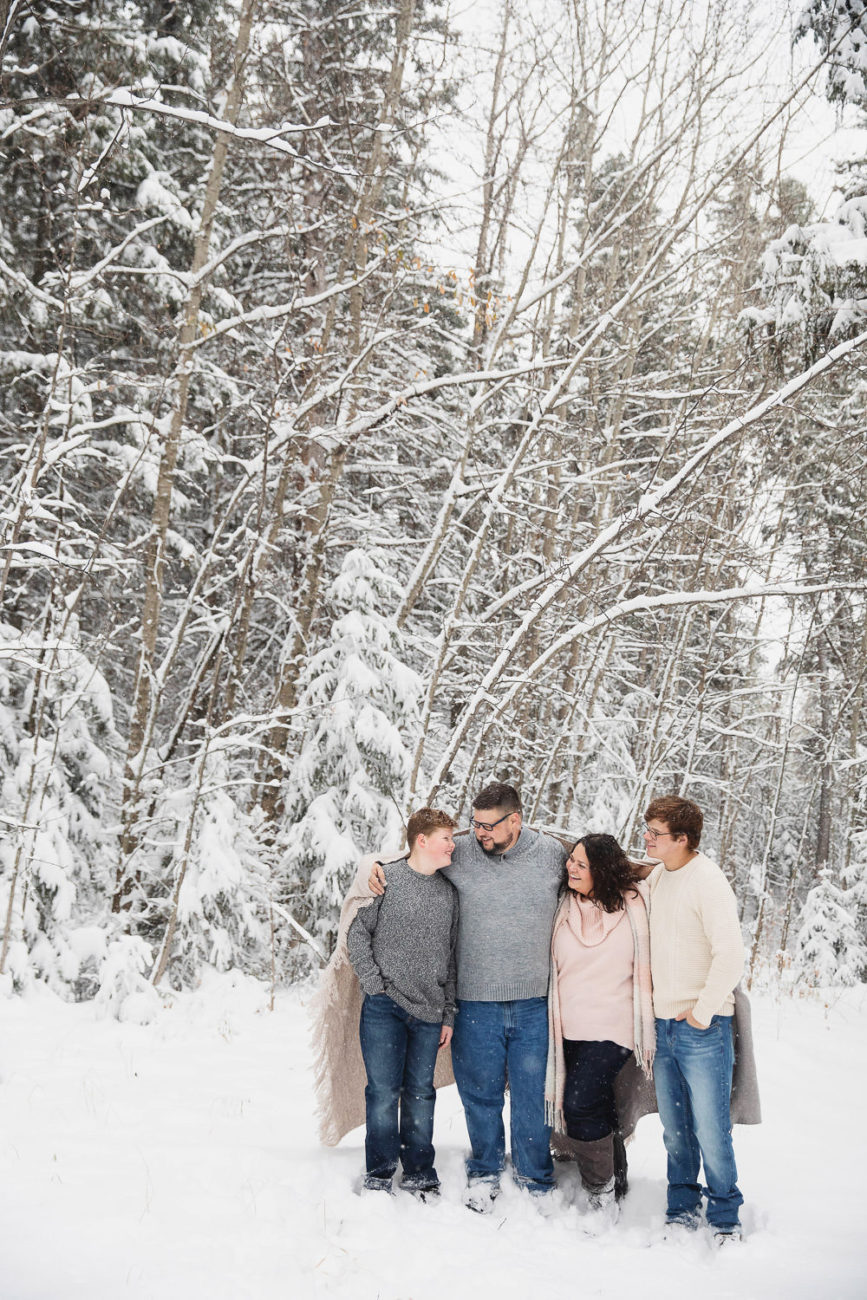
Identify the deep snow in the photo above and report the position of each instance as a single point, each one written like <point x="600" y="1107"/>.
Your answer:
<point x="179" y="1160"/>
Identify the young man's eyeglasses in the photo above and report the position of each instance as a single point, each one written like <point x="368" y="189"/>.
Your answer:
<point x="656" y="835"/>
<point x="488" y="826"/>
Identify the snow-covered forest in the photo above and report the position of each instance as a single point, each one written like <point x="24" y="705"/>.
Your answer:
<point x="398" y="397"/>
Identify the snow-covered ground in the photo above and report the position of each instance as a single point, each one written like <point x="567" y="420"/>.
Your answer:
<point x="178" y="1160"/>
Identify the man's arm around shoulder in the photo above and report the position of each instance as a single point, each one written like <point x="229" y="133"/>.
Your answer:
<point x="370" y="879"/>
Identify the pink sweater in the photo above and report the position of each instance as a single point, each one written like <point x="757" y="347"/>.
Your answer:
<point x="593" y="956"/>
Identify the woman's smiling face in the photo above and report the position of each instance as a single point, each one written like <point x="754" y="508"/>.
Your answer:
<point x="580" y="875"/>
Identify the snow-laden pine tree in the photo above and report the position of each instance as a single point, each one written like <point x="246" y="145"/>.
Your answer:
<point x="829" y="948"/>
<point x="855" y="873"/>
<point x="358" y="701"/>
<point x="214" y="916"/>
<point x="839" y="27"/>
<point x="815" y="273"/>
<point x="58" y="759"/>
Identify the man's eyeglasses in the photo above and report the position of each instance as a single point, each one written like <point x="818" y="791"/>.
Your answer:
<point x="488" y="826"/>
<point x="655" y="835"/>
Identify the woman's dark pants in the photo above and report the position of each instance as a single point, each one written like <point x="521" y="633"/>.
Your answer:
<point x="588" y="1099"/>
<point x="590" y="1112"/>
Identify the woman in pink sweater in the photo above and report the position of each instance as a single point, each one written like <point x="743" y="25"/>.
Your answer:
<point x="600" y="1006"/>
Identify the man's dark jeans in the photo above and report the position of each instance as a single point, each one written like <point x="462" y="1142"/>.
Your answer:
<point x="400" y="1054"/>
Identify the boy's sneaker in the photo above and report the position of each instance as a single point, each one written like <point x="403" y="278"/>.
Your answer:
<point x="480" y="1197"/>
<point x="680" y="1229"/>
<point x="727" y="1236"/>
<point x="372" y="1184"/>
<point x="602" y="1198"/>
<point x="426" y="1193"/>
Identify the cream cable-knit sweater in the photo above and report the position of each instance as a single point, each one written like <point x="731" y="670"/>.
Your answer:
<point x="696" y="948"/>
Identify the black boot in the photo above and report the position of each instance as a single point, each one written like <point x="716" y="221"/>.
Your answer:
<point x="621" y="1181"/>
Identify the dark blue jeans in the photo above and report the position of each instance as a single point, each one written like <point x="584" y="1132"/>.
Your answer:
<point x="588" y="1097"/>
<point x="400" y="1054"/>
<point x="491" y="1040"/>
<point x="693" y="1076"/>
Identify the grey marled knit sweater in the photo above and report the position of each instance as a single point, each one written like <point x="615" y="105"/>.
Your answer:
<point x="403" y="944"/>
<point x="508" y="902"/>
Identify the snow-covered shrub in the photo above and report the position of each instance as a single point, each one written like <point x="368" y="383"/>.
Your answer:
<point x="124" y="988"/>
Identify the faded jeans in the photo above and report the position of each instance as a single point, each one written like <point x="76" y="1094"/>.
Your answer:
<point x="693" y="1076"/>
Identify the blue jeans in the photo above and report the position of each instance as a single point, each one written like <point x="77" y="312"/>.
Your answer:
<point x="491" y="1040"/>
<point x="693" y="1076"/>
<point x="588" y="1096"/>
<point x="400" y="1054"/>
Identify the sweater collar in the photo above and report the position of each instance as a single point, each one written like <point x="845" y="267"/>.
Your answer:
<point x="590" y="923"/>
<point x="522" y="845"/>
<point x="684" y="872"/>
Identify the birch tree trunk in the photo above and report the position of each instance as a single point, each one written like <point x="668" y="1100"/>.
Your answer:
<point x="144" y="704"/>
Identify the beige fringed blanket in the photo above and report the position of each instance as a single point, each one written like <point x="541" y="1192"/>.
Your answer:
<point x="339" y="1074"/>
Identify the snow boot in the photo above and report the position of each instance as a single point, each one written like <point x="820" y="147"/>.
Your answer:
<point x="596" y="1166"/>
<point x="596" y="1162"/>
<point x="375" y="1187"/>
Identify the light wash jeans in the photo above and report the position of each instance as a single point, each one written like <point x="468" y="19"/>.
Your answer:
<point x="491" y="1039"/>
<point x="693" y="1076"/>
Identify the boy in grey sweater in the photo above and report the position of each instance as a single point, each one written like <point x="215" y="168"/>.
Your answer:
<point x="402" y="946"/>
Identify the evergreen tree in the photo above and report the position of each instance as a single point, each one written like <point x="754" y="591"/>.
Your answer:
<point x="828" y="946"/>
<point x="345" y="790"/>
<point x="58" y="746"/>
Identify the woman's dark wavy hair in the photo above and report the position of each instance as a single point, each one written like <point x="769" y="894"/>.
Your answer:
<point x="612" y="870"/>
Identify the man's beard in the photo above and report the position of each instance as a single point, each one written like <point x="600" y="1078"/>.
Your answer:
<point x="498" y="848"/>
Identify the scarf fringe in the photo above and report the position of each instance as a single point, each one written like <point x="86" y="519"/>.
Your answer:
<point x="554" y="1117"/>
<point x="644" y="1058"/>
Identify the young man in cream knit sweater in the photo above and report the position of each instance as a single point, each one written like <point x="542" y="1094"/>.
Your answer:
<point x="696" y="957"/>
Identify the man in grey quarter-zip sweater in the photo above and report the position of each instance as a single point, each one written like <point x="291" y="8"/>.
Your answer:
<point x="508" y="878"/>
